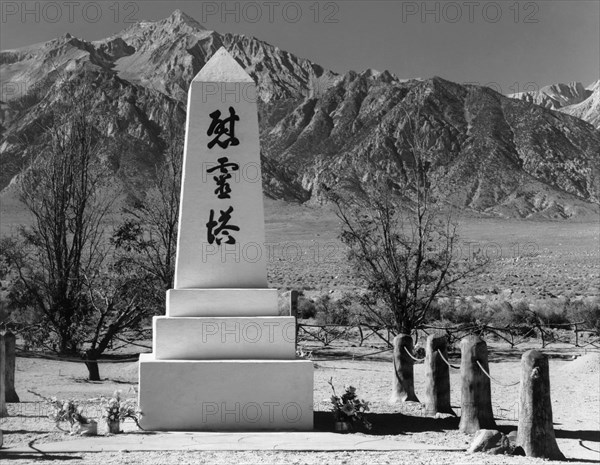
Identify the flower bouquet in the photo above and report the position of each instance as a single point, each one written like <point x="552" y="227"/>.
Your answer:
<point x="70" y="412"/>
<point x="349" y="411"/>
<point x="117" y="410"/>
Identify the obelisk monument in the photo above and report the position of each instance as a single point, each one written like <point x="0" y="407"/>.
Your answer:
<point x="222" y="358"/>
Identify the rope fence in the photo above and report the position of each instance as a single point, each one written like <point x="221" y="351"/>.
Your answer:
<point x="133" y="343"/>
<point x="372" y="353"/>
<point x="447" y="362"/>
<point x="326" y="334"/>
<point x="495" y="380"/>
<point x="511" y="334"/>
<point x="413" y="357"/>
<point x="354" y="357"/>
<point x="75" y="359"/>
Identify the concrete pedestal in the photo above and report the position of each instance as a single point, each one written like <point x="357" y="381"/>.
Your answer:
<point x="226" y="395"/>
<point x="219" y="302"/>
<point x="211" y="338"/>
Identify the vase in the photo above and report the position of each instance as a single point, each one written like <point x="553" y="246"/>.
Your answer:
<point x="114" y="427"/>
<point x="341" y="427"/>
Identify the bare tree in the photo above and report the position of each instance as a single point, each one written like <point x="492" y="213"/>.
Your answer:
<point x="64" y="189"/>
<point x="402" y="245"/>
<point x="148" y="236"/>
<point x="117" y="296"/>
<point x="404" y="257"/>
<point x="76" y="294"/>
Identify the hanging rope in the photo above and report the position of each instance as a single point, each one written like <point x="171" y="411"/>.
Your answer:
<point x="133" y="343"/>
<point x="372" y="353"/>
<point x="74" y="359"/>
<point x="495" y="380"/>
<point x="354" y="357"/>
<point x="412" y="356"/>
<point x="447" y="362"/>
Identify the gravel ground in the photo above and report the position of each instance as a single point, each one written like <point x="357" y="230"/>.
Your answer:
<point x="281" y="458"/>
<point x="575" y="389"/>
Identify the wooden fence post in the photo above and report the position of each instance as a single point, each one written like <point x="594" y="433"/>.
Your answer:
<point x="476" y="394"/>
<point x="403" y="384"/>
<point x="294" y="303"/>
<point x="535" y="431"/>
<point x="437" y="372"/>
<point x="10" y="358"/>
<point x="294" y="311"/>
<point x="3" y="411"/>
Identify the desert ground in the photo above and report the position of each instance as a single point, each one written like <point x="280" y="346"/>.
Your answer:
<point x="532" y="260"/>
<point x="575" y="387"/>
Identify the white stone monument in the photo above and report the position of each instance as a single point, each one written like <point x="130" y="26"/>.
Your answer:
<point x="222" y="358"/>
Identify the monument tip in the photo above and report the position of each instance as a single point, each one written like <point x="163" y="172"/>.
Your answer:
<point x="222" y="67"/>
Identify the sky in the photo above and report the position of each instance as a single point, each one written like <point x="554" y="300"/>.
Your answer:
<point x="508" y="45"/>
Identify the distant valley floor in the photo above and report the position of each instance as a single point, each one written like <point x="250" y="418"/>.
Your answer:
<point x="529" y="259"/>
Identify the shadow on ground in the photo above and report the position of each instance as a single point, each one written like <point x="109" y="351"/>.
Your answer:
<point x="38" y="457"/>
<point x="583" y="435"/>
<point x="392" y="424"/>
<point x="399" y="424"/>
<point x="6" y="432"/>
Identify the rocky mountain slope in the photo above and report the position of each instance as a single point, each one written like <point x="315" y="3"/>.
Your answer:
<point x="502" y="156"/>
<point x="141" y="76"/>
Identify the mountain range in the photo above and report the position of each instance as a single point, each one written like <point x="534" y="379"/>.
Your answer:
<point x="505" y="156"/>
<point x="555" y="96"/>
<point x="572" y="99"/>
<point x="589" y="109"/>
